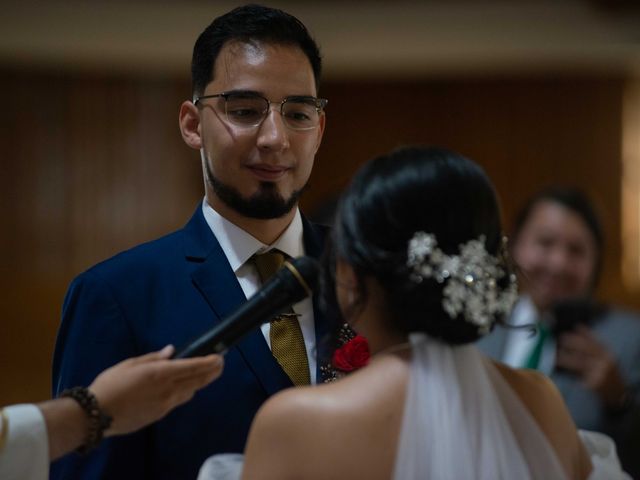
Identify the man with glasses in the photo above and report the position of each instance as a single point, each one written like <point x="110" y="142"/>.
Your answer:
<point x="256" y="119"/>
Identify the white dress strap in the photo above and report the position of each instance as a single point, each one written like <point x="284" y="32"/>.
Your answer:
<point x="224" y="466"/>
<point x="602" y="450"/>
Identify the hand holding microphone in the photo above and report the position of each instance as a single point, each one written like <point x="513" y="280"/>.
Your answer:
<point x="292" y="283"/>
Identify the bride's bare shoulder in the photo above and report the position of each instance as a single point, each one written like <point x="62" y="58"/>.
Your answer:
<point x="303" y="421"/>
<point x="543" y="400"/>
<point x="530" y="382"/>
<point x="362" y="388"/>
<point x="540" y="396"/>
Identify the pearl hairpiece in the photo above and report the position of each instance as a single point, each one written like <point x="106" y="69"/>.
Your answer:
<point x="471" y="278"/>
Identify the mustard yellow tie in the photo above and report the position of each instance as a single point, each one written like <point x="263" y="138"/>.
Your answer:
<point x="287" y="342"/>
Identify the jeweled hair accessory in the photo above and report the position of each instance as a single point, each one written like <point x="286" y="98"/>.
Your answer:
<point x="471" y="278"/>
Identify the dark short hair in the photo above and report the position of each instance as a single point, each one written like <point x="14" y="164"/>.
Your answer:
<point x="392" y="197"/>
<point x="250" y="23"/>
<point x="576" y="201"/>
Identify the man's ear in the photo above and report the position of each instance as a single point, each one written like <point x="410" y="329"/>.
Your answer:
<point x="323" y="120"/>
<point x="189" y="120"/>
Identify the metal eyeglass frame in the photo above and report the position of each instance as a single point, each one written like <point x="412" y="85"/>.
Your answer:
<point x="320" y="103"/>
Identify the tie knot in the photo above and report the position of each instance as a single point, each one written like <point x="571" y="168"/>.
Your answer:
<point x="268" y="263"/>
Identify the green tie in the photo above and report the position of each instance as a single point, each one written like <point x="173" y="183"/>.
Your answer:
<point x="287" y="342"/>
<point x="534" y="357"/>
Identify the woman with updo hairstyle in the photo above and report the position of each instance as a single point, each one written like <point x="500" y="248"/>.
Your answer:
<point x="416" y="267"/>
<point x="393" y="197"/>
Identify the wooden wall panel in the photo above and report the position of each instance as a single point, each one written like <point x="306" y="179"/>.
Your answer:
<point x="525" y="132"/>
<point x="93" y="164"/>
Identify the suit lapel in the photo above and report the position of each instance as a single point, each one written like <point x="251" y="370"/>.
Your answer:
<point x="217" y="283"/>
<point x="314" y="238"/>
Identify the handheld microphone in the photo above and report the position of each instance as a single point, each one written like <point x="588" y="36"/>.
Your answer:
<point x="293" y="282"/>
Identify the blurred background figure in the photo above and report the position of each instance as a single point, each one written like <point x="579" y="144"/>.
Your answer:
<point x="591" y="351"/>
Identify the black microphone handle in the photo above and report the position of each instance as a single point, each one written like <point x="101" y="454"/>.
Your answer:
<point x="280" y="292"/>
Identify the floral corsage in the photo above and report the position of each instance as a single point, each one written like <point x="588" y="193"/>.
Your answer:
<point x="352" y="354"/>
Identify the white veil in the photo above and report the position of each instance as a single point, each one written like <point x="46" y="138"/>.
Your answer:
<point x="462" y="421"/>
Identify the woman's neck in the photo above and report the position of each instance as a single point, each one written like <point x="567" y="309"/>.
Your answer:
<point x="396" y="348"/>
<point x="374" y="323"/>
<point x="381" y="339"/>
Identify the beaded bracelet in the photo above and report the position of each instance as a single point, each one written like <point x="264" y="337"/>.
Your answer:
<point x="99" y="420"/>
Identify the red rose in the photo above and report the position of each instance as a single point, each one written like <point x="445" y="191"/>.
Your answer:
<point x="352" y="355"/>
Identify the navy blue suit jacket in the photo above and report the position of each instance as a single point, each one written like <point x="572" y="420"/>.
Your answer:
<point x="167" y="291"/>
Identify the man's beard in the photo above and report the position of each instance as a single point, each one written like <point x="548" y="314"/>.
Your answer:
<point x="265" y="204"/>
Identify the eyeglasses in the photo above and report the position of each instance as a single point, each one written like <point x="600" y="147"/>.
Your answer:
<point x="247" y="109"/>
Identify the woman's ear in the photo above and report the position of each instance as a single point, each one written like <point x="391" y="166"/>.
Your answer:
<point x="346" y="275"/>
<point x="189" y="120"/>
<point x="346" y="287"/>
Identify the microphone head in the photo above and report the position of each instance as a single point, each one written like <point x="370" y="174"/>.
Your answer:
<point x="292" y="283"/>
<point x="306" y="271"/>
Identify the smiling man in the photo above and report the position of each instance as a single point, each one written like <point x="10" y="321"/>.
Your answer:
<point x="257" y="121"/>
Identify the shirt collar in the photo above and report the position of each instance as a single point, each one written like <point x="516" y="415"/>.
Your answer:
<point x="239" y="245"/>
<point x="524" y="312"/>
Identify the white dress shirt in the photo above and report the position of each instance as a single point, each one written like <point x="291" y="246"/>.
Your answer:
<point x="521" y="342"/>
<point x="239" y="246"/>
<point x="24" y="447"/>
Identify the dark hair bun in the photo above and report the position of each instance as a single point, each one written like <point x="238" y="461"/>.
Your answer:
<point x="416" y="189"/>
